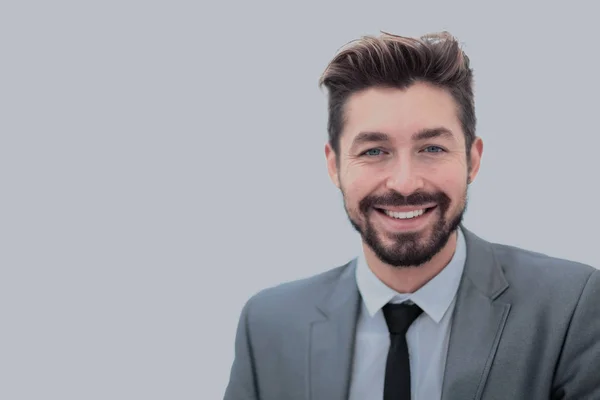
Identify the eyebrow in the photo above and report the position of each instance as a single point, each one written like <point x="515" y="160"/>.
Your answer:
<point x="424" y="134"/>
<point x="431" y="133"/>
<point x="370" y="137"/>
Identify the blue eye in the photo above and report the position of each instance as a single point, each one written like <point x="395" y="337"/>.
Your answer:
<point x="433" y="149"/>
<point x="373" y="152"/>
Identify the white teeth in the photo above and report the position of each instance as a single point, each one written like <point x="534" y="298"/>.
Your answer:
<point x="404" y="215"/>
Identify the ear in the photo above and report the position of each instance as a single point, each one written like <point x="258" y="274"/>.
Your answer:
<point x="332" y="165"/>
<point x="476" y="153"/>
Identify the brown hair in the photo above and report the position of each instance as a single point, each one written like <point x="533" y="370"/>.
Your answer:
<point x="394" y="61"/>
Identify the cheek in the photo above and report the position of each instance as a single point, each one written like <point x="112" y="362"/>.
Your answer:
<point x="454" y="185"/>
<point x="364" y="175"/>
<point x="357" y="185"/>
<point x="456" y="189"/>
<point x="449" y="175"/>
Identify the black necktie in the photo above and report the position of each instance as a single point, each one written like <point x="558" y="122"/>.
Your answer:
<point x="399" y="317"/>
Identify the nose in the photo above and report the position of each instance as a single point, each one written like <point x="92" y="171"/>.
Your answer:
<point x="404" y="177"/>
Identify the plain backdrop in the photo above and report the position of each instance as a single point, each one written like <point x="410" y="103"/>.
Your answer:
<point x="161" y="162"/>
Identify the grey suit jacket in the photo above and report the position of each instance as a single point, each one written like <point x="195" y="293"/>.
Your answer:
<point x="526" y="326"/>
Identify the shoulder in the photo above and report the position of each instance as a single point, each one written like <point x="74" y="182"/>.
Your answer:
<point x="523" y="261"/>
<point x="298" y="295"/>
<point x="532" y="275"/>
<point x="536" y="274"/>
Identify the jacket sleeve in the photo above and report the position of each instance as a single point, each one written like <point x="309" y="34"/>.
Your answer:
<point x="578" y="372"/>
<point x="242" y="380"/>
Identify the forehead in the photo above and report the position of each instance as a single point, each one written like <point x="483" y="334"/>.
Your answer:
<point x="401" y="113"/>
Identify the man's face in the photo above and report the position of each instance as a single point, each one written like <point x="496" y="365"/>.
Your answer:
<point x="402" y="169"/>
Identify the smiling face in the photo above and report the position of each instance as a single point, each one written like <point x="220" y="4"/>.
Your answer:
<point x="403" y="171"/>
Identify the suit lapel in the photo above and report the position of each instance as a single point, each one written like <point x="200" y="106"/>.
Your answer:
<point x="332" y="339"/>
<point x="477" y="323"/>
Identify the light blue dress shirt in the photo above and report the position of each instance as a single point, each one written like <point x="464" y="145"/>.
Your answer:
<point x="427" y="337"/>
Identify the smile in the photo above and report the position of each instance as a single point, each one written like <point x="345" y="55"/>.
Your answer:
<point x="411" y="214"/>
<point x="405" y="215"/>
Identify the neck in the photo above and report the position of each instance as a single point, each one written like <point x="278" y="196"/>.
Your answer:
<point x="410" y="279"/>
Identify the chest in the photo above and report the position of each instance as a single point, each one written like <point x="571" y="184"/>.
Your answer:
<point x="427" y="343"/>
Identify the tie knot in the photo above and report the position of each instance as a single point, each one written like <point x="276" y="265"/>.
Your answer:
<point x="399" y="317"/>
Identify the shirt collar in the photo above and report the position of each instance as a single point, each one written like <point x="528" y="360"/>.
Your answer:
<point x="434" y="297"/>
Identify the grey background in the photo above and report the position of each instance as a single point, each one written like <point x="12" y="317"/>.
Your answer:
<point x="160" y="162"/>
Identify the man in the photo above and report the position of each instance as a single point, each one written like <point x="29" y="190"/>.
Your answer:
<point x="428" y="310"/>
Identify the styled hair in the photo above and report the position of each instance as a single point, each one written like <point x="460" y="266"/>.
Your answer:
<point x="392" y="61"/>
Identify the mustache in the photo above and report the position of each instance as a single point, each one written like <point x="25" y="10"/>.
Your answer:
<point x="395" y="199"/>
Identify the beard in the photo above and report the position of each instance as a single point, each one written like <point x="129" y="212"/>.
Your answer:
<point x="410" y="249"/>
